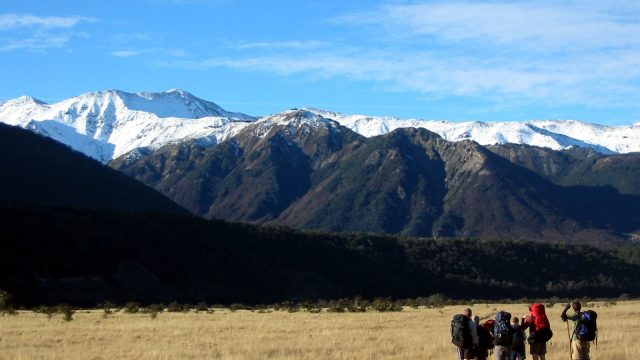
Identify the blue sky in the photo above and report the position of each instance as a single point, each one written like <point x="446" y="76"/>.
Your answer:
<point x="454" y="60"/>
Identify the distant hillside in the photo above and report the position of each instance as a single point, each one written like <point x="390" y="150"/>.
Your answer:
<point x="302" y="170"/>
<point x="577" y="166"/>
<point x="40" y="172"/>
<point x="85" y="258"/>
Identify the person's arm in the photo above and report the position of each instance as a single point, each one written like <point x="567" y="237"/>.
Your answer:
<point x="564" y="316"/>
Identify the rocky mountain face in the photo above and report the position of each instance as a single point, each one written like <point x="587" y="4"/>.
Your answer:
<point x="303" y="170"/>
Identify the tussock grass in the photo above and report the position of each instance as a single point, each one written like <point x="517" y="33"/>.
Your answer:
<point x="410" y="334"/>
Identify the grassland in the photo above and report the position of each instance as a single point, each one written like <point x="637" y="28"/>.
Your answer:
<point x="410" y="334"/>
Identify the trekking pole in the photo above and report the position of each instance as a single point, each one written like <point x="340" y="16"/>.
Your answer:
<point x="570" y="348"/>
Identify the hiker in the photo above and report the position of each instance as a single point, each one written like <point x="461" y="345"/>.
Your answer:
<point x="584" y="331"/>
<point x="517" y="347"/>
<point x="485" y="340"/>
<point x="539" y="331"/>
<point x="464" y="334"/>
<point x="503" y="336"/>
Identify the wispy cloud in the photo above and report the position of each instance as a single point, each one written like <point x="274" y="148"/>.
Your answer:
<point x="293" y="44"/>
<point x="38" y="33"/>
<point x="138" y="52"/>
<point x="544" y="25"/>
<point x="556" y="52"/>
<point x="17" y="21"/>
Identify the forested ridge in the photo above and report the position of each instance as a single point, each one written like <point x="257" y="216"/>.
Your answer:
<point x="84" y="257"/>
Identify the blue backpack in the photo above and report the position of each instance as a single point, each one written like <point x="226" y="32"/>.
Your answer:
<point x="587" y="326"/>
<point x="502" y="330"/>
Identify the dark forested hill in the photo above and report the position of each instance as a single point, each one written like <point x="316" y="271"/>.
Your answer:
<point x="38" y="171"/>
<point x="84" y="258"/>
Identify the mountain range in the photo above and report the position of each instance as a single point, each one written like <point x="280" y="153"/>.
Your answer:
<point x="107" y="124"/>
<point x="76" y="231"/>
<point x="314" y="169"/>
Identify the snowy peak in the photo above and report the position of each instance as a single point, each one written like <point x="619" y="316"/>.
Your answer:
<point x="107" y="124"/>
<point x="554" y="134"/>
<point x="292" y="121"/>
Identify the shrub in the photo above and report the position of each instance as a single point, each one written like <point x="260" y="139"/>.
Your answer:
<point x="177" y="307"/>
<point x="202" y="306"/>
<point x="131" y="307"/>
<point x="154" y="309"/>
<point x="67" y="311"/>
<point x="107" y="307"/>
<point x="43" y="309"/>
<point x="385" y="305"/>
<point x="6" y="304"/>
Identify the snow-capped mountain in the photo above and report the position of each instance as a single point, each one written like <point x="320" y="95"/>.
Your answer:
<point x="107" y="124"/>
<point x="554" y="134"/>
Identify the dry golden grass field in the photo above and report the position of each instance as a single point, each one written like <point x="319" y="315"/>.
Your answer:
<point x="410" y="334"/>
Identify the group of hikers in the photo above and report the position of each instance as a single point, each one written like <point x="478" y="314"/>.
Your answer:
<point x="506" y="337"/>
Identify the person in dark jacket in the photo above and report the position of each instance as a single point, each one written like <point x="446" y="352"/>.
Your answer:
<point x="484" y="340"/>
<point x="519" y="337"/>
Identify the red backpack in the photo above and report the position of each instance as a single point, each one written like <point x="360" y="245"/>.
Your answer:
<point x="540" y="319"/>
<point x="541" y="329"/>
<point x="489" y="325"/>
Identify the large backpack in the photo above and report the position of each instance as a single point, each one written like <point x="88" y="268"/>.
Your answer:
<point x="489" y="326"/>
<point x="460" y="332"/>
<point x="541" y="330"/>
<point x="485" y="340"/>
<point x="502" y="331"/>
<point x="587" y="326"/>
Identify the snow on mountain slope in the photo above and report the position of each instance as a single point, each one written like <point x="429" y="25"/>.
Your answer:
<point x="554" y="134"/>
<point x="107" y="124"/>
<point x="293" y="121"/>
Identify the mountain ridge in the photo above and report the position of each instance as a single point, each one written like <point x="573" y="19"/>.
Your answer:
<point x="409" y="182"/>
<point x="111" y="123"/>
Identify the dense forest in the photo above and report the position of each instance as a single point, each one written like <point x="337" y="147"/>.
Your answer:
<point x="85" y="257"/>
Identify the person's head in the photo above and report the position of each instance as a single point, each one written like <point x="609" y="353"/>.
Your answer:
<point x="576" y="306"/>
<point x="467" y="312"/>
<point x="476" y="319"/>
<point x="515" y="320"/>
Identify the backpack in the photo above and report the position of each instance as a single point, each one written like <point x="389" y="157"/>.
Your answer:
<point x="485" y="340"/>
<point x="502" y="331"/>
<point x="541" y="330"/>
<point x="489" y="325"/>
<point x="460" y="332"/>
<point x="587" y="326"/>
<point x="540" y="319"/>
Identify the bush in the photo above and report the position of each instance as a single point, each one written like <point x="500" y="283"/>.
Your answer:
<point x="154" y="309"/>
<point x="67" y="311"/>
<point x="131" y="307"/>
<point x="43" y="309"/>
<point x="107" y="307"/>
<point x="202" y="306"/>
<point x="6" y="304"/>
<point x="385" y="305"/>
<point x="177" y="307"/>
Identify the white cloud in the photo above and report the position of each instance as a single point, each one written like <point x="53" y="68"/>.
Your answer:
<point x="38" y="33"/>
<point x="542" y="25"/>
<point x="295" y="45"/>
<point x="16" y="21"/>
<point x="138" y="52"/>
